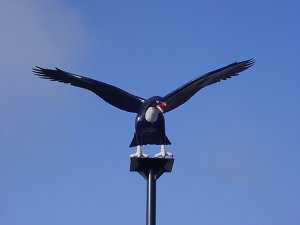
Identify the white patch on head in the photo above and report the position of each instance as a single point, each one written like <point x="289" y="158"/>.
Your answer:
<point x="151" y="114"/>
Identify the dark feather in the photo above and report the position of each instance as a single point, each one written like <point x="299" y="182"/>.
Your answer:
<point x="109" y="93"/>
<point x="185" y="92"/>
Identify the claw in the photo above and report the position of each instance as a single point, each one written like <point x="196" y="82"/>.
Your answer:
<point x="139" y="153"/>
<point x="163" y="153"/>
<point x="136" y="155"/>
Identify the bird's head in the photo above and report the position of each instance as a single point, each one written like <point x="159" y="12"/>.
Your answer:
<point x="156" y="102"/>
<point x="160" y="105"/>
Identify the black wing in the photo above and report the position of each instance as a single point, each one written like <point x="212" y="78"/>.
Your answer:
<point x="109" y="93"/>
<point x="185" y="92"/>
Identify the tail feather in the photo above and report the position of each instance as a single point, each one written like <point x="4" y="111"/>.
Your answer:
<point x="151" y="139"/>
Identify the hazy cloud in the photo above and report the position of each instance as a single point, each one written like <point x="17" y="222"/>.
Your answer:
<point x="44" y="33"/>
<point x="40" y="31"/>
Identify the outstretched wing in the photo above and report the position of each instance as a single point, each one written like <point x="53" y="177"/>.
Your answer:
<point x="109" y="93"/>
<point x="185" y="92"/>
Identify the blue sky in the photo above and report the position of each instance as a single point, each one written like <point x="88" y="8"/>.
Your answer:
<point x="64" y="156"/>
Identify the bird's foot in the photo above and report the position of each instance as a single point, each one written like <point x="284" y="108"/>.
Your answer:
<point x="163" y="154"/>
<point x="139" y="155"/>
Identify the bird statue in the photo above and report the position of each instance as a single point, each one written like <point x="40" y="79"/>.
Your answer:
<point x="149" y="122"/>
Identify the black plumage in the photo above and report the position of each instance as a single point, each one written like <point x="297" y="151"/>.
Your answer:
<point x="149" y="124"/>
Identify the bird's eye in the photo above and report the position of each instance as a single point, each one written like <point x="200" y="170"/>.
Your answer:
<point x="157" y="102"/>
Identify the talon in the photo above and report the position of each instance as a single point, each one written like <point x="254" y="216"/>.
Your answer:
<point x="145" y="155"/>
<point x="139" y="153"/>
<point x="163" y="153"/>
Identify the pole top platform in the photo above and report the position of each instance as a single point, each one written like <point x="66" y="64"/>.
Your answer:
<point x="157" y="165"/>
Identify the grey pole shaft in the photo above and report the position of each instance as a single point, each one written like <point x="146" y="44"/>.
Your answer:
<point x="151" y="198"/>
<point x="151" y="169"/>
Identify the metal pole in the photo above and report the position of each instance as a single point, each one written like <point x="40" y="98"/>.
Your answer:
<point x="151" y="169"/>
<point x="151" y="198"/>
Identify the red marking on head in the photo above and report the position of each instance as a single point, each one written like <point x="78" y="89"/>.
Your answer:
<point x="162" y="106"/>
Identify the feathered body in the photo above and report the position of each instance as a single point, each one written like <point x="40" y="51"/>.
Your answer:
<point x="150" y="125"/>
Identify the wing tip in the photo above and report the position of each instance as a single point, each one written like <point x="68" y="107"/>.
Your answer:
<point x="37" y="70"/>
<point x="248" y="63"/>
<point x="40" y="72"/>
